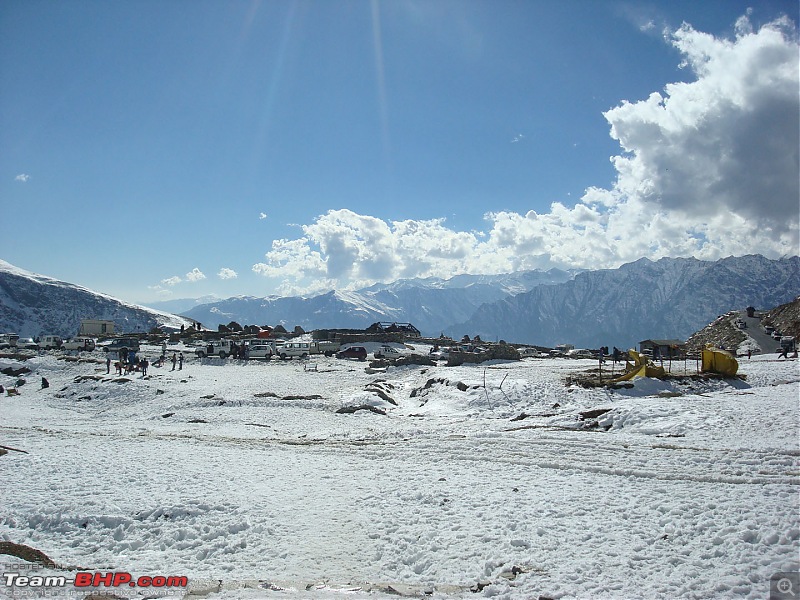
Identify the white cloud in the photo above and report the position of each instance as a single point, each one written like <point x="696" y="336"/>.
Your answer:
<point x="262" y="216"/>
<point x="226" y="273"/>
<point x="23" y="177"/>
<point x="172" y="281"/>
<point x="161" y="292"/>
<point x="725" y="142"/>
<point x="708" y="168"/>
<point x="195" y="275"/>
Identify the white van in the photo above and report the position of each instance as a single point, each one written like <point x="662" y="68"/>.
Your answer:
<point x="79" y="343"/>
<point x="50" y="342"/>
<point x="290" y="349"/>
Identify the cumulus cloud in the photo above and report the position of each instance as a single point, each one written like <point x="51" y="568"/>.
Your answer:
<point x="707" y="168"/>
<point x="725" y="142"/>
<point x="262" y="216"/>
<point x="195" y="275"/>
<point x="226" y="273"/>
<point x="23" y="177"/>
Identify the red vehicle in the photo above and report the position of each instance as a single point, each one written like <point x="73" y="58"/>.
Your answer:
<point x="358" y="352"/>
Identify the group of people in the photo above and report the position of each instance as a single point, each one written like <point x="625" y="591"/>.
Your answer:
<point x="129" y="362"/>
<point x="177" y="359"/>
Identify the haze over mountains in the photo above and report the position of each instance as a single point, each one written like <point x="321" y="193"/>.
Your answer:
<point x="430" y="304"/>
<point x="669" y="298"/>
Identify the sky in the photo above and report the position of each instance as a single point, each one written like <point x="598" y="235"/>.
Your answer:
<point x="156" y="150"/>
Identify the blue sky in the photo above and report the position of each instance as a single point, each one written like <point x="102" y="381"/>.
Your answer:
<point x="166" y="149"/>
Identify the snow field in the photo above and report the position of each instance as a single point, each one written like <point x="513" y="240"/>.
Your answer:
<point x="692" y="492"/>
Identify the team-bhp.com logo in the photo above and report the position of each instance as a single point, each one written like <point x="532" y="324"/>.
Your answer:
<point x="86" y="579"/>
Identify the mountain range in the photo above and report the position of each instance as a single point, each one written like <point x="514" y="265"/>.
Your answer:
<point x="430" y="304"/>
<point x="665" y="299"/>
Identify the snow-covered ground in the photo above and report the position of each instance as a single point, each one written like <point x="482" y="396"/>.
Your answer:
<point x="243" y="477"/>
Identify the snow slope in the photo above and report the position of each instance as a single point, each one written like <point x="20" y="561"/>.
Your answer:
<point x="243" y="477"/>
<point x="33" y="305"/>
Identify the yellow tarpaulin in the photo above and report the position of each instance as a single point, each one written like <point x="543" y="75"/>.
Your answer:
<point x="719" y="361"/>
<point x="641" y="367"/>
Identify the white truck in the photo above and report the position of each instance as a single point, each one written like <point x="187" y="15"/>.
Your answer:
<point x="326" y="347"/>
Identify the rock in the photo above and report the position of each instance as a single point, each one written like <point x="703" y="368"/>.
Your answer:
<point x="27" y="553"/>
<point x="12" y="372"/>
<point x="593" y="414"/>
<point x="352" y="409"/>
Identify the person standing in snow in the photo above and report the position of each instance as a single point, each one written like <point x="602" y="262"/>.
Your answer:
<point x="108" y="364"/>
<point x="180" y="362"/>
<point x="174" y="360"/>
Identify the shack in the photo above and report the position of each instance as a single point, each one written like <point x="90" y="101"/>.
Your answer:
<point x="94" y="327"/>
<point x="663" y="349"/>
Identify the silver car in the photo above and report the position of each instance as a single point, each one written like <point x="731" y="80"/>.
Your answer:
<point x="260" y="351"/>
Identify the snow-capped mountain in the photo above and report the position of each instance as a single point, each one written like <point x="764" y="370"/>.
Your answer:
<point x="177" y="306"/>
<point x="667" y="299"/>
<point x="430" y="304"/>
<point x="33" y="305"/>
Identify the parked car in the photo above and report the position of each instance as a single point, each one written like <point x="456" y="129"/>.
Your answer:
<point x="7" y="340"/>
<point x="582" y="353"/>
<point x="79" y="343"/>
<point x="120" y="344"/>
<point x="221" y="348"/>
<point x="387" y="352"/>
<point x="441" y="354"/>
<point x="50" y="342"/>
<point x="358" y="352"/>
<point x="291" y="349"/>
<point x="260" y="351"/>
<point x="27" y="344"/>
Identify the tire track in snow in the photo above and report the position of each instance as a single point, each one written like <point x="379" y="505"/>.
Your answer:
<point x="666" y="462"/>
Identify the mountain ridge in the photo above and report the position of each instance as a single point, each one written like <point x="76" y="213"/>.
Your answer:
<point x="33" y="305"/>
<point x="668" y="298"/>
